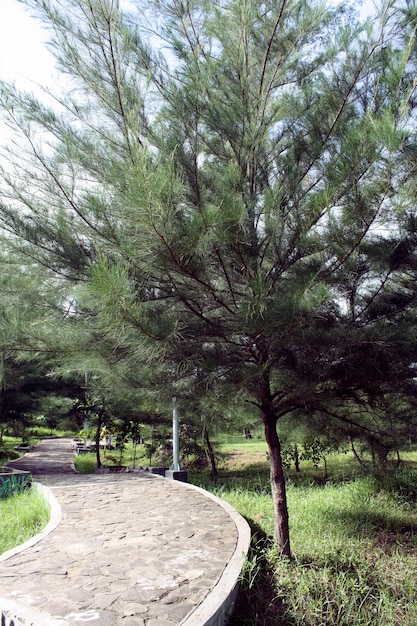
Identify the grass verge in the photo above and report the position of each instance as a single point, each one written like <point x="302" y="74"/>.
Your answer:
<point x="22" y="516"/>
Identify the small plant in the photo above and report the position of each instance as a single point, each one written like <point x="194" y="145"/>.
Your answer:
<point x="120" y="446"/>
<point x="316" y="451"/>
<point x="14" y="485"/>
<point x="250" y="570"/>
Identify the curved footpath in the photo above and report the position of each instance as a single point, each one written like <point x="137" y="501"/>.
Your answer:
<point x="122" y="550"/>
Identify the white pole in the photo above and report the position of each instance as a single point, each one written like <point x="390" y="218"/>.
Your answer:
<point x="175" y="437"/>
<point x="85" y="432"/>
<point x="85" y="418"/>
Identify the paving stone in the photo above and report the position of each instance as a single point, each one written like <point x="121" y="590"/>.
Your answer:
<point x="132" y="620"/>
<point x="124" y="607"/>
<point x="60" y="606"/>
<point x="92" y="616"/>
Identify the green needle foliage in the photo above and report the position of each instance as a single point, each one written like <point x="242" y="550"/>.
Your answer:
<point x="227" y="194"/>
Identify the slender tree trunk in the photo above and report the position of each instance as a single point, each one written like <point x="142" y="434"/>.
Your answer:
<point x="210" y="453"/>
<point x="277" y="478"/>
<point x="356" y="455"/>
<point x="325" y="468"/>
<point x="397" y="452"/>
<point x="279" y="494"/>
<point x="98" y="433"/>
<point x="296" y="458"/>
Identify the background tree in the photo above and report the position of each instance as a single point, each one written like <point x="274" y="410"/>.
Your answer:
<point x="30" y="311"/>
<point x="235" y="201"/>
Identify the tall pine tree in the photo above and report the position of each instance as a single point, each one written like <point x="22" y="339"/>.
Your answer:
<point x="226" y="188"/>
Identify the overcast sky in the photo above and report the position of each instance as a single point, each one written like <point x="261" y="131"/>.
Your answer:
<point x="22" y="53"/>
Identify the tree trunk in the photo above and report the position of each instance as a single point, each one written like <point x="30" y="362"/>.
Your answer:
<point x="210" y="453"/>
<point x="279" y="495"/>
<point x="356" y="455"/>
<point x="277" y="478"/>
<point x="296" y="459"/>
<point x="325" y="468"/>
<point x="98" y="433"/>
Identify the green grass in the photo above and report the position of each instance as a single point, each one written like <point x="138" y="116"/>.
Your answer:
<point x="354" y="544"/>
<point x="21" y="517"/>
<point x="24" y="514"/>
<point x="355" y="552"/>
<point x="7" y="451"/>
<point x="86" y="463"/>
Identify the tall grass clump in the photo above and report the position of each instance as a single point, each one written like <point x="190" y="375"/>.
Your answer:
<point x="85" y="463"/>
<point x="355" y="548"/>
<point x="22" y="516"/>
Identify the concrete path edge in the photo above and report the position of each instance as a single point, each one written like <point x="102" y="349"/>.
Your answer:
<point x="218" y="605"/>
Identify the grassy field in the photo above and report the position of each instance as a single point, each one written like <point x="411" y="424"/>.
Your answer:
<point x="354" y="542"/>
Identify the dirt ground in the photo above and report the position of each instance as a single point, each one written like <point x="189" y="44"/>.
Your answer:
<point x="238" y="459"/>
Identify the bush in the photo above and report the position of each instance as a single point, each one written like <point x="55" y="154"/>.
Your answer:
<point x="401" y="482"/>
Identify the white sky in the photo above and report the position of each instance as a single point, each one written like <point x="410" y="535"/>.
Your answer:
<point x="23" y="55"/>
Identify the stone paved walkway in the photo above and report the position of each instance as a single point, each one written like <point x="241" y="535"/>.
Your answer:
<point x="129" y="549"/>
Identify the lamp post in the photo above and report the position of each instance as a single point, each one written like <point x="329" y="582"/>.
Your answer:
<point x="175" y="437"/>
<point x="85" y="416"/>
<point x="175" y="472"/>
